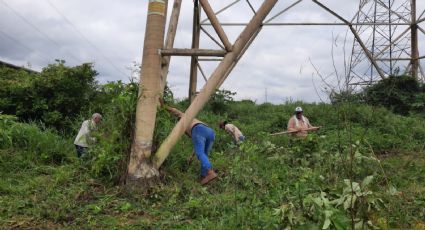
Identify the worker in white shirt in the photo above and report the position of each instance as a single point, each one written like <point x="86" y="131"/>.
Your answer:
<point x="237" y="135"/>
<point x="83" y="139"/>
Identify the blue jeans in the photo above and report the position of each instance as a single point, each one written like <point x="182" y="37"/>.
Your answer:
<point x="238" y="142"/>
<point x="80" y="150"/>
<point x="203" y="139"/>
<point x="241" y="139"/>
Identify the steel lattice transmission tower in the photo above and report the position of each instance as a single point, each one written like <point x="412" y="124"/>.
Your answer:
<point x="389" y="29"/>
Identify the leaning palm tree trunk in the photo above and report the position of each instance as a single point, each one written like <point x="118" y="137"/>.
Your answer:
<point x="139" y="167"/>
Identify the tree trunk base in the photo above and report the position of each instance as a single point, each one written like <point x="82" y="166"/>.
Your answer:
<point x="144" y="177"/>
<point x="141" y="184"/>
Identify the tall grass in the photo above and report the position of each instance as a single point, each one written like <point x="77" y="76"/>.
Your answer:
<point x="41" y="144"/>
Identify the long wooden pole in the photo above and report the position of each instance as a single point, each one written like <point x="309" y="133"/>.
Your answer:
<point x="239" y="56"/>
<point x="169" y="42"/>
<point x="149" y="90"/>
<point x="196" y="33"/>
<point x="212" y="38"/>
<point x="213" y="82"/>
<point x="290" y="132"/>
<point x="216" y="24"/>
<point x="193" y="52"/>
<point x="222" y="9"/>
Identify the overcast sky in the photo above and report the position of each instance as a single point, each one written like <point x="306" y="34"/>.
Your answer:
<point x="276" y="67"/>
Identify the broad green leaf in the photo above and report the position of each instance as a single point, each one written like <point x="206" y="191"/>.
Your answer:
<point x="366" y="181"/>
<point x="347" y="202"/>
<point x="340" y="222"/>
<point x="326" y="224"/>
<point x="328" y="213"/>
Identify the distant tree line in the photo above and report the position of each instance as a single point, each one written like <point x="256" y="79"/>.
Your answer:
<point x="59" y="94"/>
<point x="55" y="96"/>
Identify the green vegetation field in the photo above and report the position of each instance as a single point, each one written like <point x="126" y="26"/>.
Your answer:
<point x="365" y="169"/>
<point x="266" y="183"/>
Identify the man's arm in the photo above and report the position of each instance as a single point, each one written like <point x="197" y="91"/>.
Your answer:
<point x="174" y="111"/>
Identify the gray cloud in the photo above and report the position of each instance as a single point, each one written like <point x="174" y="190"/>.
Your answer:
<point x="278" y="60"/>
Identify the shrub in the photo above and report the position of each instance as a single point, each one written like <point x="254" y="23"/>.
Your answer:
<point x="108" y="158"/>
<point x="220" y="101"/>
<point x="397" y="93"/>
<point x="55" y="96"/>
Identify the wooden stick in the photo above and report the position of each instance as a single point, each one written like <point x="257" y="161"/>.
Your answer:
<point x="189" y="161"/>
<point x="296" y="131"/>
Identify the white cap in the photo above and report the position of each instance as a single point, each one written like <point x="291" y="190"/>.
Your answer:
<point x="96" y="115"/>
<point x="298" y="109"/>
